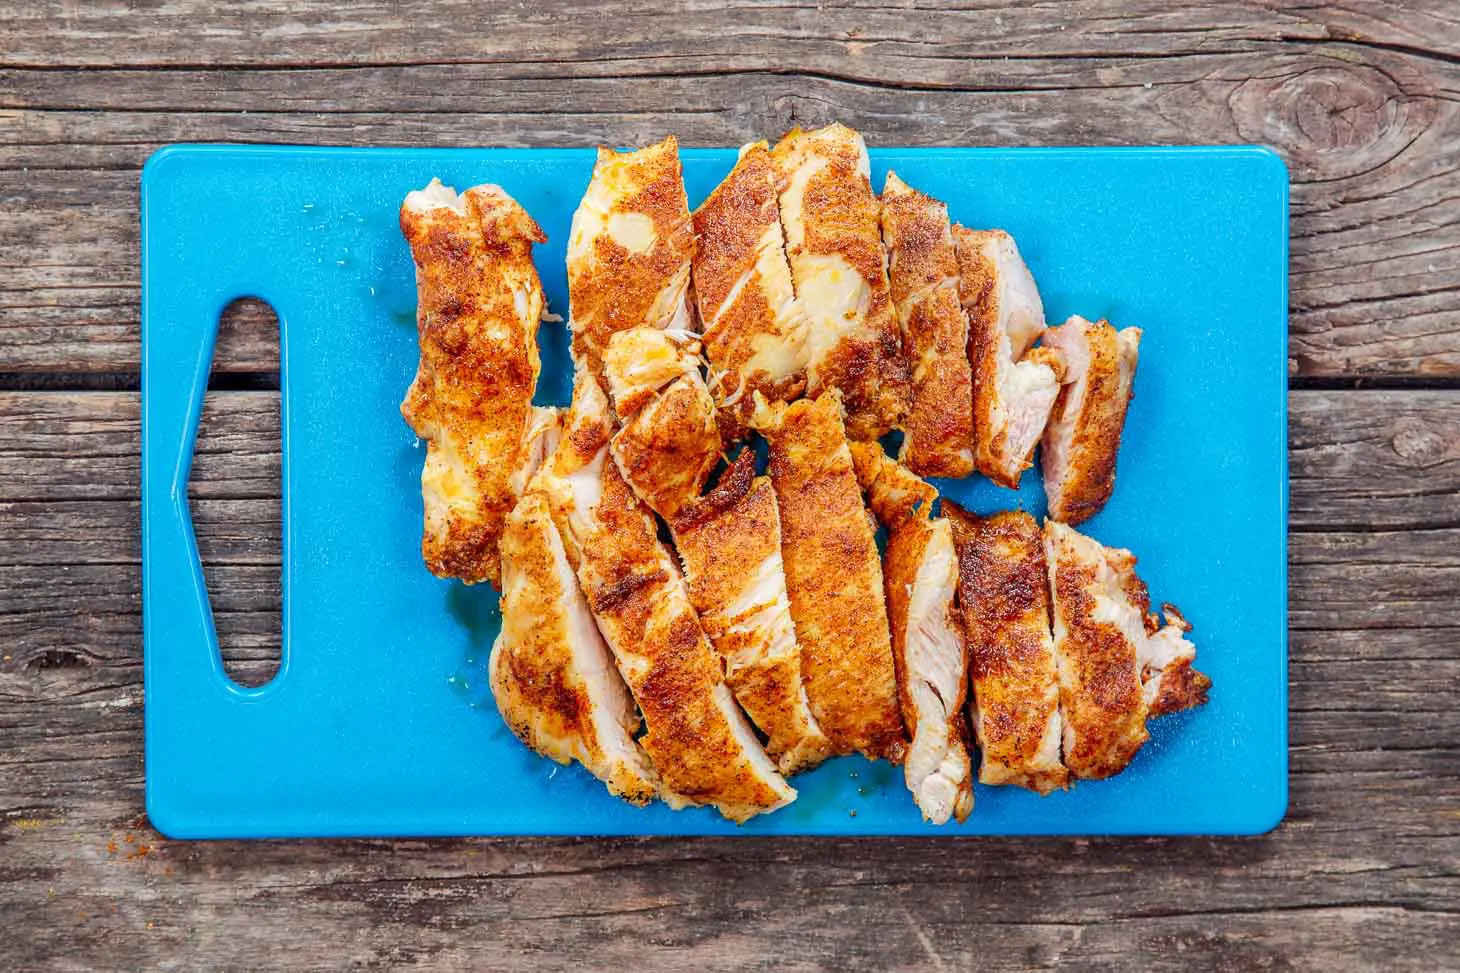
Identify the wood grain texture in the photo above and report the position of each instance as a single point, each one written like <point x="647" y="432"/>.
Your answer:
<point x="1363" y="104"/>
<point x="1365" y="872"/>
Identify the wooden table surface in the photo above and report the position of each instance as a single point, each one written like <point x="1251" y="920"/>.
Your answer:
<point x="1361" y="97"/>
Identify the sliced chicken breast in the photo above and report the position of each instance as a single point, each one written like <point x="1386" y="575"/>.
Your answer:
<point x="479" y="302"/>
<point x="833" y="577"/>
<point x="834" y="243"/>
<point x="929" y="643"/>
<point x="703" y="748"/>
<point x="641" y="362"/>
<point x="730" y="543"/>
<point x="1171" y="682"/>
<point x="629" y="249"/>
<point x="1098" y="634"/>
<point x="552" y="676"/>
<point x="754" y="330"/>
<point x="1083" y="435"/>
<point x="923" y="269"/>
<point x="893" y="491"/>
<point x="667" y="451"/>
<point x="1014" y="388"/>
<point x="1004" y="593"/>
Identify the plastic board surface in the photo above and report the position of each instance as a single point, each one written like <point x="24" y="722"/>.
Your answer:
<point x="378" y="722"/>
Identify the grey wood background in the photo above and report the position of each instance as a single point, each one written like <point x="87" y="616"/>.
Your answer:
<point x="1362" y="98"/>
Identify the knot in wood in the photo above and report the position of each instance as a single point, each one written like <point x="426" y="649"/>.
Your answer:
<point x="1419" y="444"/>
<point x="1331" y="122"/>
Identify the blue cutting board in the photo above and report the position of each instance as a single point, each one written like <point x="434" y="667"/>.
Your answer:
<point x="378" y="722"/>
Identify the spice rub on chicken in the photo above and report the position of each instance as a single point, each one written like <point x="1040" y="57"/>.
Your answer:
<point x="929" y="642"/>
<point x="1015" y="704"/>
<point x="833" y="577"/>
<point x="669" y="440"/>
<point x="730" y="543"/>
<point x="629" y="249"/>
<point x="1014" y="388"/>
<point x="552" y="676"/>
<point x="702" y="746"/>
<point x="923" y="268"/>
<point x="479" y="302"/>
<point x="1080" y="443"/>
<point x="755" y="331"/>
<point x="1118" y="666"/>
<point x="834" y="244"/>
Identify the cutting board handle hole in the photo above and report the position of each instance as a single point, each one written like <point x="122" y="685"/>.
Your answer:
<point x="234" y="492"/>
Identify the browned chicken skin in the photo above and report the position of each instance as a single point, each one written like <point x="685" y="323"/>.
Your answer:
<point x="754" y="331"/>
<point x="479" y="303"/>
<point x="834" y="244"/>
<point x="730" y="543"/>
<point x="923" y="269"/>
<point x="834" y="578"/>
<point x="1004" y="592"/>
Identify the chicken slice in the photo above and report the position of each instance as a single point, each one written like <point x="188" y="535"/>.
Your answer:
<point x="834" y="244"/>
<point x="1004" y="593"/>
<point x="641" y="362"/>
<point x="754" y="331"/>
<point x="1083" y="435"/>
<point x="929" y="642"/>
<point x="1013" y="388"/>
<point x="704" y="750"/>
<point x="893" y="491"/>
<point x="1171" y="683"/>
<point x="1118" y="665"/>
<point x="923" y="269"/>
<point x="670" y="440"/>
<point x="551" y="673"/>
<point x="1098" y="633"/>
<point x="479" y="304"/>
<point x="1166" y="656"/>
<point x="730" y="542"/>
<point x="629" y="249"/>
<point x="539" y="439"/>
<point x="833" y="577"/>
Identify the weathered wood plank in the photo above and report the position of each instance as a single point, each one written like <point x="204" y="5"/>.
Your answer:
<point x="276" y="32"/>
<point x="1367" y="121"/>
